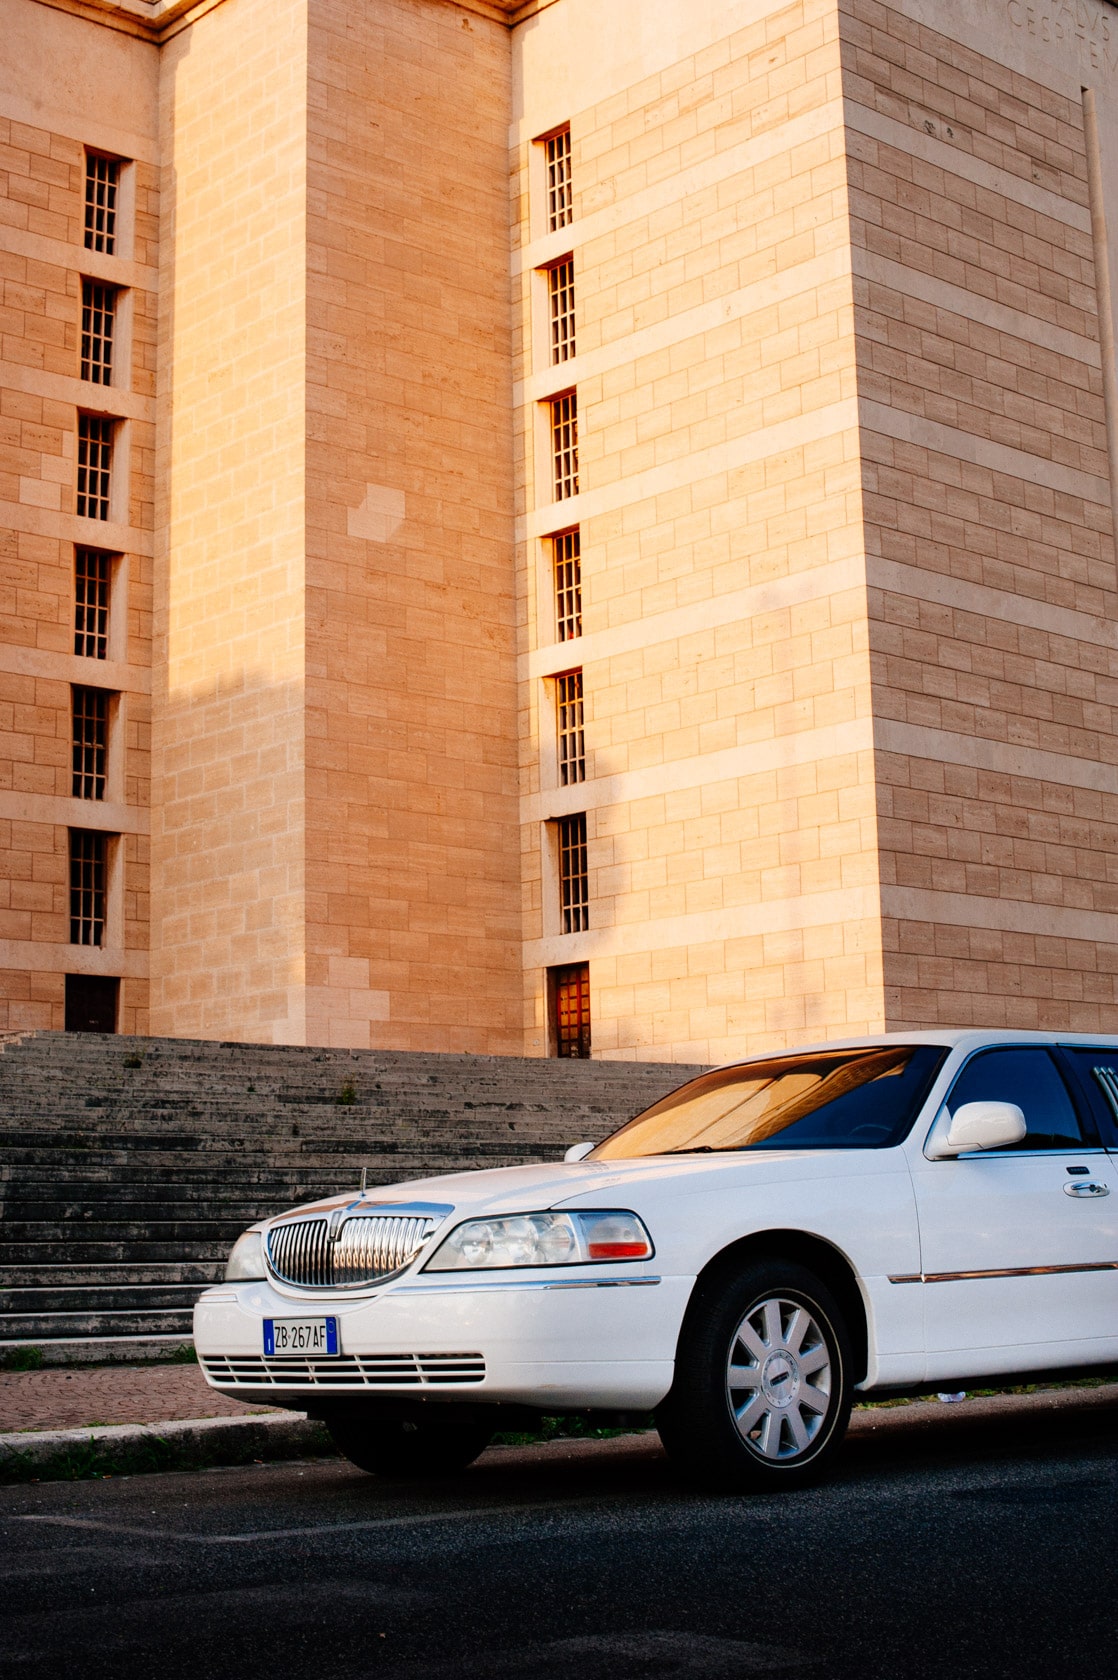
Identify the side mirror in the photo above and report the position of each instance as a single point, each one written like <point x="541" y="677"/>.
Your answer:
<point x="578" y="1151"/>
<point x="979" y="1125"/>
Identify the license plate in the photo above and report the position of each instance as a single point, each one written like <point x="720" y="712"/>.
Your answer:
<point x="299" y="1335"/>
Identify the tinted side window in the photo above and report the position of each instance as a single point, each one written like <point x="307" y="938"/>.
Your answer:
<point x="1029" y="1078"/>
<point x="1098" y="1074"/>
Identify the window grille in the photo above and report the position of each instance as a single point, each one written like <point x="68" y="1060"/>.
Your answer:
<point x="561" y="295"/>
<point x="102" y="178"/>
<point x="559" y="201"/>
<point x="98" y="320"/>
<point x="570" y="1005"/>
<point x="91" y="603"/>
<point x="572" y="740"/>
<point x="87" y="886"/>
<point x="566" y="551"/>
<point x="564" y="445"/>
<point x="89" y="742"/>
<point x="574" y="880"/>
<point x="95" y="451"/>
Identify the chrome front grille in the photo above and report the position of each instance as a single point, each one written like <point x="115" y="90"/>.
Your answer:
<point x="374" y="1246"/>
<point x="301" y="1252"/>
<point x="363" y="1249"/>
<point x="370" y="1370"/>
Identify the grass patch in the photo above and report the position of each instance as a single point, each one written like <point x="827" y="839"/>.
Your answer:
<point x="347" y="1096"/>
<point x="185" y="1354"/>
<point x="568" y="1428"/>
<point x="23" y="1359"/>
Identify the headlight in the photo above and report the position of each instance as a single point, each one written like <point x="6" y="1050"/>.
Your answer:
<point x="542" y="1239"/>
<point x="247" y="1258"/>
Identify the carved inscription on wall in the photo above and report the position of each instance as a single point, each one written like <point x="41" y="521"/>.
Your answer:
<point x="1087" y="27"/>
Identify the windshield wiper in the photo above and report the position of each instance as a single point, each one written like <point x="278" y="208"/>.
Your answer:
<point x="694" y="1149"/>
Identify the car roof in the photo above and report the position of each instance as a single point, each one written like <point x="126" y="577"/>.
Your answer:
<point x="949" y="1038"/>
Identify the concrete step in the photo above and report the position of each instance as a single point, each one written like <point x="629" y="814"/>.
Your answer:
<point x="99" y="1350"/>
<point x="112" y="1274"/>
<point x="155" y="1321"/>
<point x="37" y="1254"/>
<point x="101" y="1297"/>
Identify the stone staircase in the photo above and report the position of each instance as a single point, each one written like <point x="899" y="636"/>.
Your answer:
<point x="128" y="1166"/>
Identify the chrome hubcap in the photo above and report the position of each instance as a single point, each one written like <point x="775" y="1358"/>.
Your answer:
<point x="778" y="1379"/>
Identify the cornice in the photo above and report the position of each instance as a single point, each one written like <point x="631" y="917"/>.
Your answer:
<point x="159" y="20"/>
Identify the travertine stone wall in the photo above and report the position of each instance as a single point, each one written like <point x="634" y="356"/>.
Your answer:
<point x="412" y="867"/>
<point x="732" y="831"/>
<point x="228" y="841"/>
<point x="66" y="83"/>
<point x="846" y="279"/>
<point x="989" y="530"/>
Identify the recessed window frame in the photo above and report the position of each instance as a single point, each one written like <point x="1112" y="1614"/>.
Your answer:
<point x="570" y="730"/>
<point x="562" y="433"/>
<point x="97" y="437"/>
<point x="559" y="278"/>
<point x="100" y="336"/>
<point x="558" y="178"/>
<point x="89" y="864"/>
<point x="573" y="873"/>
<point x="93" y="591"/>
<point x="90" y="725"/>
<point x="564" y="553"/>
<point x="101" y="202"/>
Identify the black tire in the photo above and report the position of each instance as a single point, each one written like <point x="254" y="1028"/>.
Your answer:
<point x="439" y="1445"/>
<point x="762" y="1390"/>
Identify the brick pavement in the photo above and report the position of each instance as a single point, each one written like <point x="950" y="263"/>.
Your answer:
<point x="73" y="1397"/>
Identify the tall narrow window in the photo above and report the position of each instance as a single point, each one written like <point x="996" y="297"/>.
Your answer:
<point x="569" y="990"/>
<point x="561" y="297"/>
<point x="564" y="445"/>
<point x="574" y="879"/>
<point x="91" y="603"/>
<point x="102" y="179"/>
<point x="559" y="201"/>
<point x="95" y="454"/>
<point x="572" y="740"/>
<point x="88" y="849"/>
<point x="89" y="742"/>
<point x="566" y="552"/>
<point x="98" y="320"/>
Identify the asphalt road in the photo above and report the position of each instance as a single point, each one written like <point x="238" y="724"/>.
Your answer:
<point x="947" y="1545"/>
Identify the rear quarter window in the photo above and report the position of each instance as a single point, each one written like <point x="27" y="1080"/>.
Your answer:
<point x="1096" y="1076"/>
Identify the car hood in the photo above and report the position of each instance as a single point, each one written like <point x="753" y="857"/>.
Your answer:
<point x="637" y="1184"/>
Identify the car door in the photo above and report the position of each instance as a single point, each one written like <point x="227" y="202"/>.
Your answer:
<point x="1019" y="1246"/>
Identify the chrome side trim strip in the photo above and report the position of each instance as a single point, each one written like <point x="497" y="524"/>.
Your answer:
<point x="1004" y="1272"/>
<point x="480" y="1285"/>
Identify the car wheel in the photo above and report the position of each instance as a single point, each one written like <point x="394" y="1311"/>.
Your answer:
<point x="761" y="1396"/>
<point x="407" y="1451"/>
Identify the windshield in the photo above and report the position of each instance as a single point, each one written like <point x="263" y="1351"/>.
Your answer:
<point x="830" y="1099"/>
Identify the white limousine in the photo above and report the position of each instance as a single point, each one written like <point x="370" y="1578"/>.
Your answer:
<point x="881" y="1217"/>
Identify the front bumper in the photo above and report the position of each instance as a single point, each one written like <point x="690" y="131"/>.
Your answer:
<point x="574" y="1342"/>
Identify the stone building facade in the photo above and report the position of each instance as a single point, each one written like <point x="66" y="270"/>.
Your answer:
<point x="597" y="530"/>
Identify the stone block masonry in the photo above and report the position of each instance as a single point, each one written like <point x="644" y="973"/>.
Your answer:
<point x="826" y="429"/>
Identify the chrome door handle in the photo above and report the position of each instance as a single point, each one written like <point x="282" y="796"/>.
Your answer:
<point x="1086" y="1187"/>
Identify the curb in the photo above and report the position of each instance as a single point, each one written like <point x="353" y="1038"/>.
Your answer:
<point x="185" y="1444"/>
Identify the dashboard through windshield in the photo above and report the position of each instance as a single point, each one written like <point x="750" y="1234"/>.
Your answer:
<point x="847" y="1099"/>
